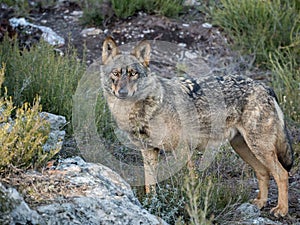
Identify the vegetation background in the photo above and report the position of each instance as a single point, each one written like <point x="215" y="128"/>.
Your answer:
<point x="269" y="31"/>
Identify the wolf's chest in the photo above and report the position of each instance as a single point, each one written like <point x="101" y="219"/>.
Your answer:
<point x="146" y="123"/>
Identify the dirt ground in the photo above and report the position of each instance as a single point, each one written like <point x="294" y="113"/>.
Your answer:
<point x="190" y="31"/>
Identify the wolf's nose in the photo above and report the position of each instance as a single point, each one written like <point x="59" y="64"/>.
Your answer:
<point x="123" y="93"/>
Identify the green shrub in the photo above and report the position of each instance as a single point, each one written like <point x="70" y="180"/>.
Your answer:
<point x="93" y="12"/>
<point x="169" y="8"/>
<point x="22" y="8"/>
<point x="104" y="121"/>
<point x="22" y="139"/>
<point x="168" y="203"/>
<point x="198" y="194"/>
<point x="126" y="8"/>
<point x="258" y="27"/>
<point x="285" y="66"/>
<point x="41" y="71"/>
<point x="200" y="197"/>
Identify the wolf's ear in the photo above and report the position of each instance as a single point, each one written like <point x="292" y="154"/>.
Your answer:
<point x="109" y="49"/>
<point x="142" y="52"/>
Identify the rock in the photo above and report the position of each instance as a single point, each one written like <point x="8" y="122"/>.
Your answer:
<point x="182" y="45"/>
<point x="13" y="208"/>
<point x="93" y="194"/>
<point x="56" y="135"/>
<point x="248" y="210"/>
<point x="91" y="32"/>
<point x="249" y="214"/>
<point x="47" y="33"/>
<point x="57" y="122"/>
<point x="191" y="3"/>
<point x="207" y="25"/>
<point x="77" y="13"/>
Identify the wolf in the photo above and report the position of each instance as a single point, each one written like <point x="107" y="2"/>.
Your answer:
<point x="160" y="113"/>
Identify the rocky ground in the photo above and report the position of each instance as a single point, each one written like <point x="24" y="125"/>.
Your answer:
<point x="190" y="31"/>
<point x="77" y="193"/>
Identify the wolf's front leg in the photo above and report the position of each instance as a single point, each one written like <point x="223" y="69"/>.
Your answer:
<point x="150" y="157"/>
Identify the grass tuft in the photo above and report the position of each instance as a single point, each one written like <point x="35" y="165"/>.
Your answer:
<point x="200" y="197"/>
<point x="41" y="71"/>
<point x="96" y="12"/>
<point x="22" y="139"/>
<point x="258" y="26"/>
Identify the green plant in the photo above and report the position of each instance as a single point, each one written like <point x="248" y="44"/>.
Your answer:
<point x="22" y="139"/>
<point x="21" y="7"/>
<point x="258" y="27"/>
<point x="125" y="8"/>
<point x="285" y="67"/>
<point x="168" y="203"/>
<point x="104" y="121"/>
<point x="95" y="12"/>
<point x="197" y="204"/>
<point x="170" y="8"/>
<point x="200" y="197"/>
<point x="41" y="71"/>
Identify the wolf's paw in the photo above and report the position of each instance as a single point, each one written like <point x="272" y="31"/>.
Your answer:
<point x="279" y="210"/>
<point x="260" y="203"/>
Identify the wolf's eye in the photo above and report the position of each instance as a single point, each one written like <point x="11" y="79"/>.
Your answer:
<point x="115" y="73"/>
<point x="133" y="73"/>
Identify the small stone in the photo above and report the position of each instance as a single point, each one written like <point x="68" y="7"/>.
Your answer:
<point x="56" y="135"/>
<point x="91" y="32"/>
<point x="77" y="13"/>
<point x="47" y="33"/>
<point x="146" y="31"/>
<point x="182" y="45"/>
<point x="207" y="25"/>
<point x="248" y="210"/>
<point x="191" y="55"/>
<point x="191" y="3"/>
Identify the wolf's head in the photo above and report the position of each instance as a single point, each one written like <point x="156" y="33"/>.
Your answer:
<point x="125" y="72"/>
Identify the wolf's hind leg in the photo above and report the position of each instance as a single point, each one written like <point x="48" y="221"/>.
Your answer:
<point x="150" y="157"/>
<point x="265" y="152"/>
<point x="239" y="145"/>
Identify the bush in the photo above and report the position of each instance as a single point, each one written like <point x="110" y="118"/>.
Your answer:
<point x="22" y="139"/>
<point x="285" y="66"/>
<point x="95" y="12"/>
<point x="126" y="8"/>
<point x="200" y="197"/>
<point x="41" y="71"/>
<point x="258" y="27"/>
<point x="169" y="8"/>
<point x="22" y="8"/>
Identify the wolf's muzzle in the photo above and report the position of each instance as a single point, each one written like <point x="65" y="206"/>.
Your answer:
<point x="122" y="93"/>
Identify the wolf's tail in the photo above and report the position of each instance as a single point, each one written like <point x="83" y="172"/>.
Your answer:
<point x="285" y="151"/>
<point x="283" y="143"/>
